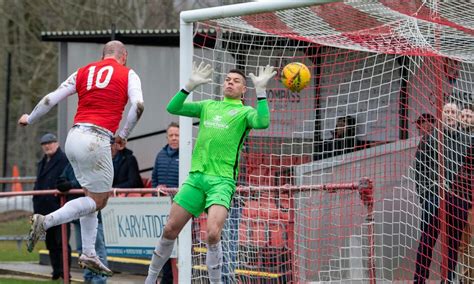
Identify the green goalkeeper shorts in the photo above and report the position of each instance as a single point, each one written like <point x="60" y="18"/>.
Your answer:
<point x="200" y="191"/>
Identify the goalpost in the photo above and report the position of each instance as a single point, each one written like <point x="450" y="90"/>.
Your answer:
<point x="337" y="188"/>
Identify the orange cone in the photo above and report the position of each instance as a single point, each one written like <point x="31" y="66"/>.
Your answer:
<point x="16" y="186"/>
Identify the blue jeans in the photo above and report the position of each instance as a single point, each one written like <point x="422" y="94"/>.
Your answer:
<point x="89" y="276"/>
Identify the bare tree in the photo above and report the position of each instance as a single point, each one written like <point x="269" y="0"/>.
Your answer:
<point x="34" y="63"/>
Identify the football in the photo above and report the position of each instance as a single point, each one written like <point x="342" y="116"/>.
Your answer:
<point x="295" y="76"/>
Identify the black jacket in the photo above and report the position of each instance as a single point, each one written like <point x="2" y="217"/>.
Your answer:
<point x="426" y="167"/>
<point x="464" y="180"/>
<point x="126" y="172"/>
<point x="47" y="176"/>
<point x="336" y="147"/>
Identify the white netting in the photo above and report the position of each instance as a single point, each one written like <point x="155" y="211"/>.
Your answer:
<point x="324" y="202"/>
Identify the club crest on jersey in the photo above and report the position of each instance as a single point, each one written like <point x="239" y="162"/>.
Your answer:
<point x="232" y="112"/>
<point x="216" y="122"/>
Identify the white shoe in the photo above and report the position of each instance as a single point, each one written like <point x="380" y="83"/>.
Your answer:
<point x="94" y="264"/>
<point x="36" y="231"/>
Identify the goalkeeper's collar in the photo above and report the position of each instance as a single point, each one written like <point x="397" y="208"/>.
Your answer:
<point x="233" y="101"/>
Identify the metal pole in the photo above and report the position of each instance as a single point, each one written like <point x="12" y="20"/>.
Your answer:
<point x="7" y="113"/>
<point x="63" y="105"/>
<point x="112" y="32"/>
<point x="246" y="9"/>
<point x="185" y="148"/>
<point x="64" y="244"/>
<point x="403" y="99"/>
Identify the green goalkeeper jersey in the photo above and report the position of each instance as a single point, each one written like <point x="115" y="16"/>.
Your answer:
<point x="223" y="127"/>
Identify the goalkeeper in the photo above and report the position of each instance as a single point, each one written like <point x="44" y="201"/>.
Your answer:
<point x="224" y="125"/>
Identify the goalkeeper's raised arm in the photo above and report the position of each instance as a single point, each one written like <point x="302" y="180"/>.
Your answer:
<point x="199" y="75"/>
<point x="260" y="119"/>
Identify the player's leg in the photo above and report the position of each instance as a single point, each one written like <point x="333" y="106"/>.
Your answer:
<point x="219" y="196"/>
<point x="177" y="220"/>
<point x="216" y="216"/>
<point x="189" y="201"/>
<point x="89" y="153"/>
<point x="101" y="251"/>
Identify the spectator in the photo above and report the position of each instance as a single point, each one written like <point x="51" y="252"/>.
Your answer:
<point x="343" y="139"/>
<point x="126" y="172"/>
<point x="166" y="170"/>
<point x="49" y="168"/>
<point x="467" y="120"/>
<point x="425" y="123"/>
<point x="66" y="182"/>
<point x="464" y="187"/>
<point x="429" y="178"/>
<point x="166" y="174"/>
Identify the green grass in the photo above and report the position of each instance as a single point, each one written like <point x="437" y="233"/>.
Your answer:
<point x="9" y="249"/>
<point x="15" y="227"/>
<point x="4" y="280"/>
<point x="9" y="252"/>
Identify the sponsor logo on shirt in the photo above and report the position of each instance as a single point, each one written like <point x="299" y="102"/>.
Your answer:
<point x="216" y="122"/>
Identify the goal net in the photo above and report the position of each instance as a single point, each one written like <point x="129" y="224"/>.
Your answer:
<point x="366" y="174"/>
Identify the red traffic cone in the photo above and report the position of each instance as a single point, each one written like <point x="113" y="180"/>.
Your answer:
<point x="16" y="186"/>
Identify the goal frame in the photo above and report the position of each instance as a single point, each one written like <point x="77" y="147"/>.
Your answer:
<point x="187" y="19"/>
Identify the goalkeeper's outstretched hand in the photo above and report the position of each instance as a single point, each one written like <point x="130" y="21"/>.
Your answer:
<point x="260" y="82"/>
<point x="199" y="76"/>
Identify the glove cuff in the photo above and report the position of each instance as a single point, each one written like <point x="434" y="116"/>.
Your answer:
<point x="186" y="91"/>
<point x="189" y="87"/>
<point x="261" y="93"/>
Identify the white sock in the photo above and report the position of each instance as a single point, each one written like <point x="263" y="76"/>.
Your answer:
<point x="89" y="225"/>
<point x="160" y="256"/>
<point x="214" y="262"/>
<point x="72" y="210"/>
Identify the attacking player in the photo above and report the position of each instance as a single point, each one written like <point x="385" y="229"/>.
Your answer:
<point x="214" y="167"/>
<point x="103" y="88"/>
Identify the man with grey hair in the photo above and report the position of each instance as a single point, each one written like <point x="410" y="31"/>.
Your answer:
<point x="50" y="168"/>
<point x="104" y="88"/>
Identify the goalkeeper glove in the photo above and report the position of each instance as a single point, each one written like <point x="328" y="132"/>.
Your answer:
<point x="260" y="82"/>
<point x="199" y="76"/>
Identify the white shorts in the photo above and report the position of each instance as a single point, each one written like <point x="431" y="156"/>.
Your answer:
<point x="88" y="151"/>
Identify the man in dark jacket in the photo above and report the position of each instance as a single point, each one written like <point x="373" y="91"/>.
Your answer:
<point x="126" y="171"/>
<point x="166" y="174"/>
<point x="431" y="179"/>
<point x="49" y="169"/>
